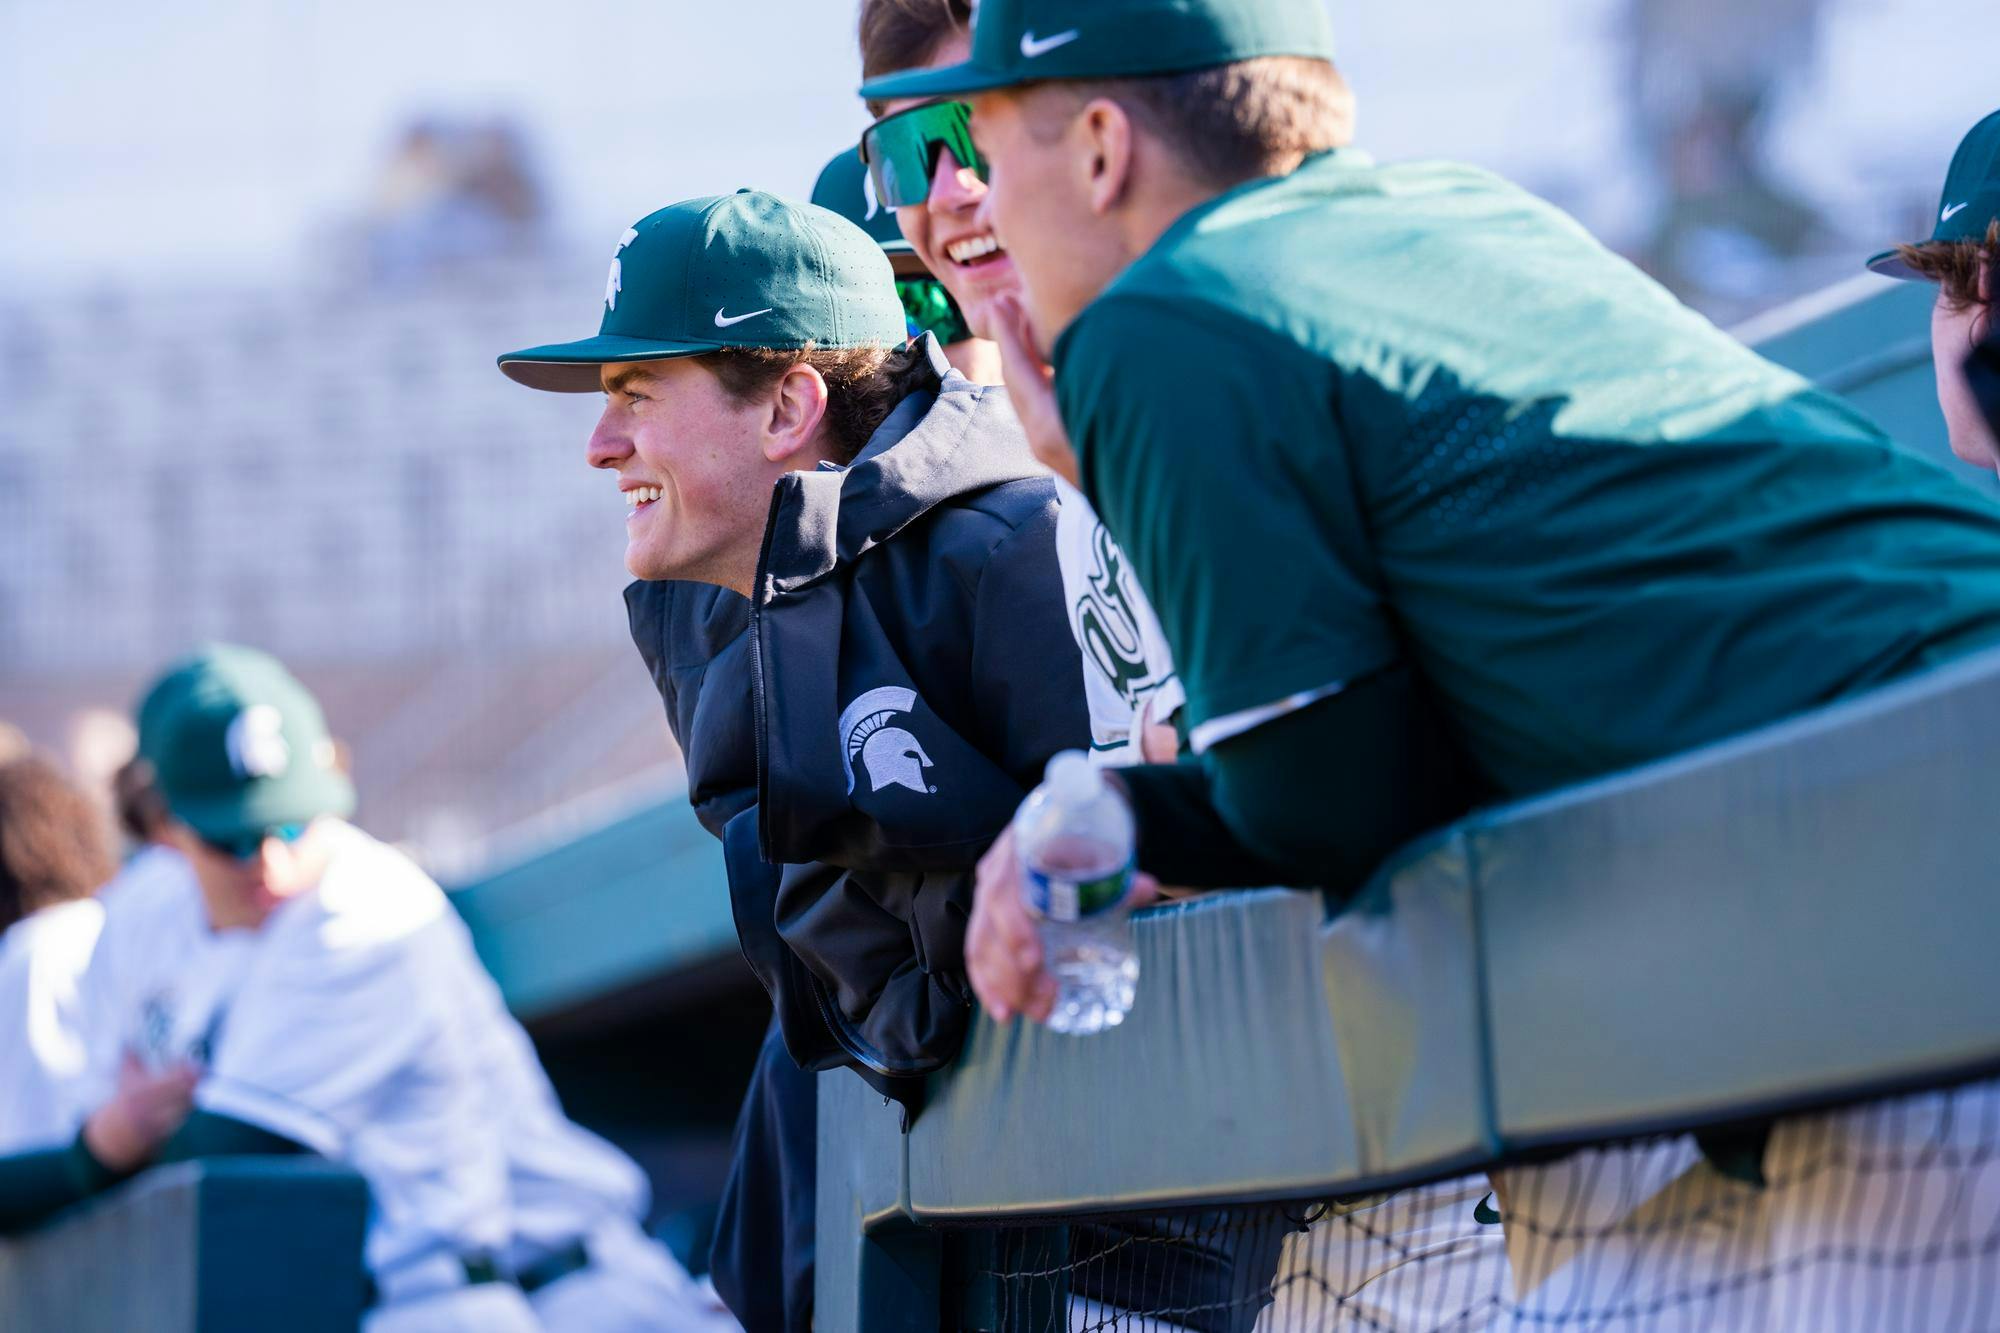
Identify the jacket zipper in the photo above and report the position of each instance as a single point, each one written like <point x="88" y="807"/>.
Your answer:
<point x="757" y="708"/>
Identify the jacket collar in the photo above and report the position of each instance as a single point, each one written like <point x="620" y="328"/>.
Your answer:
<point x="948" y="438"/>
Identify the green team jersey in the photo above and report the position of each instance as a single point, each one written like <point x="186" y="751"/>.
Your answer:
<point x="1360" y="415"/>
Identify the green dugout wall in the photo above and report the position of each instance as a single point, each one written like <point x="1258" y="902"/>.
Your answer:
<point x="1794" y="918"/>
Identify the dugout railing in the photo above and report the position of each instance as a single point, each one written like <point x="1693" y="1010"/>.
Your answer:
<point x="1800" y="917"/>
<point x="226" y="1245"/>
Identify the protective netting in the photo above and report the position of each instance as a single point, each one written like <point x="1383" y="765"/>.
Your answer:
<point x="1883" y="1216"/>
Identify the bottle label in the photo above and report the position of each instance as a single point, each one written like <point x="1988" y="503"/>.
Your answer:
<point x="1060" y="898"/>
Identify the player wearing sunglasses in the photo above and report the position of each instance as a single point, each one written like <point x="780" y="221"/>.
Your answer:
<point x="922" y="163"/>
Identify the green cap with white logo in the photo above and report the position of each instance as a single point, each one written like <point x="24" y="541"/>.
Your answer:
<point x="844" y="187"/>
<point x="1025" y="41"/>
<point x="238" y="747"/>
<point x="1971" y="200"/>
<point x="736" y="270"/>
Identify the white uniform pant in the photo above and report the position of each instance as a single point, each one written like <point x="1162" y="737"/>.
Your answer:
<point x="450" y="1306"/>
<point x="1432" y="1257"/>
<point x="632" y="1284"/>
<point x="1885" y="1216"/>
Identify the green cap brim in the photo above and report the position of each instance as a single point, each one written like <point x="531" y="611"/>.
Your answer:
<point x="265" y="805"/>
<point x="572" y="367"/>
<point x="1890" y="264"/>
<point x="965" y="77"/>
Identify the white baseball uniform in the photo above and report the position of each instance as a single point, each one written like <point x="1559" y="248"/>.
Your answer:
<point x="1427" y="1258"/>
<point x="1128" y="670"/>
<point x="42" y="960"/>
<point x="358" y="1022"/>
<point x="1883" y="1216"/>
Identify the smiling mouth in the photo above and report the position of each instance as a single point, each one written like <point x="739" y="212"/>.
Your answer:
<point x="974" y="251"/>
<point x="640" y="498"/>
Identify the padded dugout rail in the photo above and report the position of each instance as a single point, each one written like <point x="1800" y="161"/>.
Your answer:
<point x="1799" y="916"/>
<point x="227" y="1245"/>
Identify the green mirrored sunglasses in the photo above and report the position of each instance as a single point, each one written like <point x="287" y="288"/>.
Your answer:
<point x="902" y="150"/>
<point x="246" y="845"/>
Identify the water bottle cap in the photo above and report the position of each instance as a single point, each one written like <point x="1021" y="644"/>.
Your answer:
<point x="1071" y="776"/>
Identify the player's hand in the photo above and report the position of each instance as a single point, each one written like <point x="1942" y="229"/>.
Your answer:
<point x="1159" y="743"/>
<point x="1003" y="952"/>
<point x="143" y="1113"/>
<point x="1031" y="387"/>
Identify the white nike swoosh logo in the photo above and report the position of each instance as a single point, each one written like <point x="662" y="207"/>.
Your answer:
<point x="1953" y="211"/>
<point x="1031" y="46"/>
<point x="723" y="321"/>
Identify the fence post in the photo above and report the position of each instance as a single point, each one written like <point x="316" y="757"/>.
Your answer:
<point x="874" y="1269"/>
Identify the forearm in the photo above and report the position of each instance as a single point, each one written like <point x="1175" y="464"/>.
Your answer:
<point x="34" y="1186"/>
<point x="1184" y="840"/>
<point x="206" y="1134"/>
<point x="1319" y="797"/>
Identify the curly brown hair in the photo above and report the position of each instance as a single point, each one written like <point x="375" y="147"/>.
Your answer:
<point x="53" y="842"/>
<point x="863" y="384"/>
<point x="1956" y="266"/>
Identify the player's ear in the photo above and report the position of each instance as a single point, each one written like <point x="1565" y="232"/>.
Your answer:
<point x="794" y="411"/>
<point x="1107" y="133"/>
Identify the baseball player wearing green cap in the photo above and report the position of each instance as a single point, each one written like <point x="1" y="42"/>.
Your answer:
<point x="287" y="984"/>
<point x="1355" y="1257"/>
<point x="845" y="187"/>
<point x="848" y="598"/>
<point x="1128" y="674"/>
<point x="1961" y="256"/>
<point x="1495" y="512"/>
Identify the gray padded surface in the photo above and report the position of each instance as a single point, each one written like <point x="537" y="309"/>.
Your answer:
<point x="228" y="1245"/>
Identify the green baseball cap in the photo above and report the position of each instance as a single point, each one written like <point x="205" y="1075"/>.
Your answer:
<point x="736" y="270"/>
<point x="843" y="186"/>
<point x="238" y="747"/>
<point x="1025" y="41"/>
<point x="1971" y="199"/>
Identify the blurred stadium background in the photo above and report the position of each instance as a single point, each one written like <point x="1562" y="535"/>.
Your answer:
<point x="256" y="257"/>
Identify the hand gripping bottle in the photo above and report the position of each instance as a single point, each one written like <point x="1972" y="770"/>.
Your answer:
<point x="1074" y="835"/>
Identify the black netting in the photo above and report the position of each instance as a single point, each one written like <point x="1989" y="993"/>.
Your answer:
<point x="1883" y="1216"/>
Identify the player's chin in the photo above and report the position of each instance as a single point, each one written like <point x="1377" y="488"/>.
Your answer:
<point x="650" y="558"/>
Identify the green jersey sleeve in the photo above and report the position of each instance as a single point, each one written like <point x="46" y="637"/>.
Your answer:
<point x="1213" y="451"/>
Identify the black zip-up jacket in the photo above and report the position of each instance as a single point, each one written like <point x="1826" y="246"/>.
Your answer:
<point x="860" y="734"/>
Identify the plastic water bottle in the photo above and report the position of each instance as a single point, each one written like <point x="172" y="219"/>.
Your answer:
<point x="1074" y="834"/>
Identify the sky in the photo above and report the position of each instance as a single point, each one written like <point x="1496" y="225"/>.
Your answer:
<point x="218" y="139"/>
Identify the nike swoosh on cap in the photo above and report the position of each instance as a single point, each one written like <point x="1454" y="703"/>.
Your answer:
<point x="1032" y="46"/>
<point x="1953" y="211"/>
<point x="723" y="321"/>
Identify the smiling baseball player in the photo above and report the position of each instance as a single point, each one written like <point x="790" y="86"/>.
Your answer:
<point x="924" y="179"/>
<point x="849" y="601"/>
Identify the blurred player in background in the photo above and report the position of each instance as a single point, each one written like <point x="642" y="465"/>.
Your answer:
<point x="54" y="853"/>
<point x="921" y="182"/>
<point x="849" y="601"/>
<point x="307" y="988"/>
<point x="1498" y="513"/>
<point x="1962" y="257"/>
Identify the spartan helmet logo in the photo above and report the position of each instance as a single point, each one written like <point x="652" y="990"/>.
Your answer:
<point x="256" y="743"/>
<point x="868" y="194"/>
<point x="892" y="756"/>
<point x="614" y="281"/>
